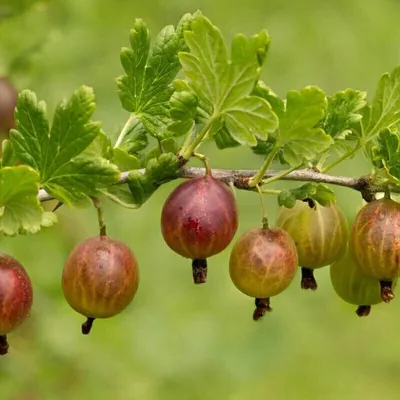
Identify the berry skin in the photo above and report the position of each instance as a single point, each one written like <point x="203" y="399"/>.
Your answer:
<point x="16" y="297"/>
<point x="262" y="264"/>
<point x="8" y="101"/>
<point x="199" y="219"/>
<point x="353" y="286"/>
<point x="320" y="233"/>
<point x="100" y="278"/>
<point x="375" y="242"/>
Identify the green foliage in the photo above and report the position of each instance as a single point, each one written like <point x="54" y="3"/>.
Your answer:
<point x="21" y="211"/>
<point x="55" y="152"/>
<point x="225" y="85"/>
<point x="142" y="184"/>
<point x="146" y="88"/>
<point x="322" y="194"/>
<point x="218" y="97"/>
<point x="385" y="109"/>
<point x="154" y="340"/>
<point x="300" y="140"/>
<point x="386" y="155"/>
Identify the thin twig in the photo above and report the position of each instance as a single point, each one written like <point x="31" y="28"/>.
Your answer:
<point x="240" y="178"/>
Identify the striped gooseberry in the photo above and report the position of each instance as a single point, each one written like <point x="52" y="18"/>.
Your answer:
<point x="320" y="234"/>
<point x="353" y="286"/>
<point x="375" y="242"/>
<point x="100" y="278"/>
<point x="199" y="219"/>
<point x="16" y="297"/>
<point x="262" y="264"/>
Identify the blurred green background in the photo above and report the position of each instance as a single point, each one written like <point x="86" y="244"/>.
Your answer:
<point x="178" y="341"/>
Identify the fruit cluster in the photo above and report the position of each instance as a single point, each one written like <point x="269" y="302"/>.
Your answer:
<point x="199" y="219"/>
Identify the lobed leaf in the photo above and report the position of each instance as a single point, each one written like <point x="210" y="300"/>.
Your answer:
<point x="20" y="209"/>
<point x="386" y="154"/>
<point x="319" y="192"/>
<point x="225" y="85"/>
<point x="71" y="156"/>
<point x="146" y="87"/>
<point x="300" y="139"/>
<point x="385" y="109"/>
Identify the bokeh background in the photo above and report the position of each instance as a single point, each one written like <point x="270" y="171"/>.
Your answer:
<point x="178" y="341"/>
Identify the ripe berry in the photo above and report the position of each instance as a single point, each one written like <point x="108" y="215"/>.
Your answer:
<point x="8" y="101"/>
<point x="263" y="263"/>
<point x="199" y="219"/>
<point x="15" y="297"/>
<point x="353" y="286"/>
<point x="100" y="278"/>
<point x="320" y="234"/>
<point x="375" y="243"/>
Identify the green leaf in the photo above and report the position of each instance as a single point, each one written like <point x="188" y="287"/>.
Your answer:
<point x="385" y="110"/>
<point x="49" y="219"/>
<point x="122" y="195"/>
<point x="386" y="154"/>
<point x="31" y="139"/>
<point x="7" y="152"/>
<point x="343" y="112"/>
<point x="20" y="209"/>
<point x="125" y="161"/>
<point x="265" y="92"/>
<point x="65" y="155"/>
<point x="158" y="171"/>
<point x="80" y="179"/>
<point x="226" y="86"/>
<point x="183" y="112"/>
<point x="223" y="139"/>
<point x="72" y="131"/>
<point x="136" y="138"/>
<point x="100" y="147"/>
<point x="169" y="145"/>
<point x="264" y="147"/>
<point x="146" y="87"/>
<point x="300" y="139"/>
<point x="164" y="168"/>
<point x="248" y="119"/>
<point x="315" y="191"/>
<point x="141" y="186"/>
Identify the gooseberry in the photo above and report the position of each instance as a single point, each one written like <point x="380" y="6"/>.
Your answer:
<point x="100" y="278"/>
<point x="353" y="286"/>
<point x="16" y="297"/>
<point x="320" y="234"/>
<point x="375" y="242"/>
<point x="262" y="264"/>
<point x="199" y="219"/>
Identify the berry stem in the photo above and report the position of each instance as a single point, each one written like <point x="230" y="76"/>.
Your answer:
<point x="100" y="216"/>
<point x="258" y="176"/>
<point x="279" y="175"/>
<point x="262" y="306"/>
<point x="190" y="146"/>
<point x="345" y="156"/>
<point x="4" y="346"/>
<point x="87" y="326"/>
<point x="205" y="161"/>
<point x="363" y="311"/>
<point x="199" y="268"/>
<point x="264" y="217"/>
<point x="387" y="294"/>
<point x="271" y="191"/>
<point x="308" y="281"/>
